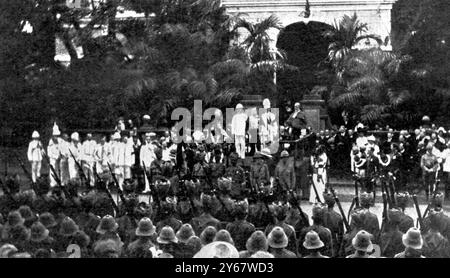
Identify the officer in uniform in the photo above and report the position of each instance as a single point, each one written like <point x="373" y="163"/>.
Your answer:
<point x="391" y="238"/>
<point x="318" y="215"/>
<point x="285" y="173"/>
<point x="333" y="221"/>
<point x="238" y="179"/>
<point x="259" y="172"/>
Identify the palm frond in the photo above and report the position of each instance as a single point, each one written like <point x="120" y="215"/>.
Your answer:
<point x="347" y="99"/>
<point x="373" y="113"/>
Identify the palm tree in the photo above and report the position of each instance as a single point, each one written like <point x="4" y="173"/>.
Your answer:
<point x="346" y="34"/>
<point x="368" y="86"/>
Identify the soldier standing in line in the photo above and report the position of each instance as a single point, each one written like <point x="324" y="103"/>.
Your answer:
<point x="362" y="244"/>
<point x="371" y="223"/>
<point x="333" y="221"/>
<point x="259" y="172"/>
<point x="54" y="154"/>
<point x="87" y="157"/>
<point x="237" y="175"/>
<point x="318" y="215"/>
<point x="74" y="147"/>
<point x="216" y="166"/>
<point x="313" y="244"/>
<point x="391" y="237"/>
<point x="285" y="173"/>
<point x="413" y="243"/>
<point x="64" y="160"/>
<point x="435" y="244"/>
<point x="240" y="229"/>
<point x="406" y="221"/>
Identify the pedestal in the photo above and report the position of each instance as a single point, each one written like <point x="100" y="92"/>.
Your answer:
<point x="315" y="110"/>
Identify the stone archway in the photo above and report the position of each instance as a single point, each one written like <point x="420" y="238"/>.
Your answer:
<point x="306" y="47"/>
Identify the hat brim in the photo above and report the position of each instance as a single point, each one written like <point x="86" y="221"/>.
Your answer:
<point x="369" y="248"/>
<point x="313" y="247"/>
<point x="41" y="237"/>
<point x="145" y="234"/>
<point x="102" y="231"/>
<point x="282" y="244"/>
<point x="416" y="246"/>
<point x="164" y="241"/>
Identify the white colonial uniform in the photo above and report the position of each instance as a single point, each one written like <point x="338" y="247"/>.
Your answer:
<point x="88" y="159"/>
<point x="147" y="155"/>
<point x="35" y="158"/>
<point x="75" y="148"/>
<point x="64" y="161"/>
<point x="319" y="176"/>
<point x="54" y="155"/>
<point x="238" y="124"/>
<point x="129" y="159"/>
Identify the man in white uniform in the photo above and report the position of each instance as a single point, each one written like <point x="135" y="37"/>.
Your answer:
<point x="238" y="124"/>
<point x="35" y="156"/>
<point x="147" y="155"/>
<point x="75" y="148"/>
<point x="87" y="157"/>
<point x="54" y="154"/>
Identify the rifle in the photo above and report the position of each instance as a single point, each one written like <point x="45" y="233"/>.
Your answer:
<point x="296" y="205"/>
<point x="385" y="214"/>
<point x="153" y="191"/>
<point x="419" y="215"/>
<point x="186" y="193"/>
<point x="392" y="189"/>
<point x="315" y="189"/>
<point x="80" y="169"/>
<point x="214" y="190"/>
<point x="341" y="210"/>
<point x="55" y="175"/>
<point x="105" y="188"/>
<point x="356" y="193"/>
<point x="427" y="210"/>
<point x="24" y="168"/>
<point x="116" y="182"/>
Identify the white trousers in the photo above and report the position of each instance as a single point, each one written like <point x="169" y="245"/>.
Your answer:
<point x="35" y="170"/>
<point x="56" y="166"/>
<point x="239" y="143"/>
<point x="88" y="170"/>
<point x="73" y="170"/>
<point x="320" y="186"/>
<point x="64" y="168"/>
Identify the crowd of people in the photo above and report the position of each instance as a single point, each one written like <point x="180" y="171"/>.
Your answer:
<point x="207" y="199"/>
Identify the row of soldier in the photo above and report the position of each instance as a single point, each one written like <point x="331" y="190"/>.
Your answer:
<point x="84" y="221"/>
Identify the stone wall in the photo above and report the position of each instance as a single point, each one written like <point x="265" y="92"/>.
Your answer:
<point x="376" y="13"/>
